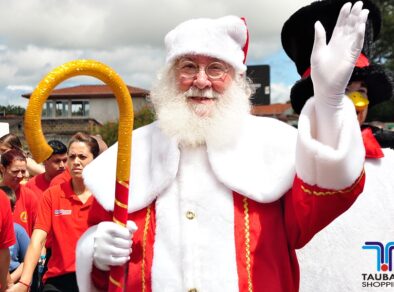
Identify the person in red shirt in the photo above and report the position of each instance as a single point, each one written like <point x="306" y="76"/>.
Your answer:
<point x="54" y="165"/>
<point x="7" y="238"/>
<point x="11" y="141"/>
<point x="63" y="211"/>
<point x="13" y="169"/>
<point x="61" y="178"/>
<point x="65" y="175"/>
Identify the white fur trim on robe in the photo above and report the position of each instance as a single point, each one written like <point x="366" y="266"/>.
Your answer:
<point x="260" y="164"/>
<point x="154" y="166"/>
<point x="334" y="259"/>
<point x="84" y="260"/>
<point x="322" y="165"/>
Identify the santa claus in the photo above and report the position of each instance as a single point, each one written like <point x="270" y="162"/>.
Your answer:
<point x="219" y="199"/>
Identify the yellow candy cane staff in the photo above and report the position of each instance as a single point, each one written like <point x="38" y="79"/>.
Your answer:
<point x="41" y="150"/>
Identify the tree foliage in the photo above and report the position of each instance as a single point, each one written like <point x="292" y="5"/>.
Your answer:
<point x="384" y="47"/>
<point x="11" y="110"/>
<point x="383" y="53"/>
<point x="109" y="131"/>
<point x="144" y="117"/>
<point x="383" y="112"/>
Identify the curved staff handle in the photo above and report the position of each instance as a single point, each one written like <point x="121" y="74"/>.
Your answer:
<point x="41" y="150"/>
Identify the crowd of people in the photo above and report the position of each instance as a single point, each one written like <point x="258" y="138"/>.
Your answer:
<point x="49" y="203"/>
<point x="219" y="200"/>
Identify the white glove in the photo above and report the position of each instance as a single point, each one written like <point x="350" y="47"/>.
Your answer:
<point x="112" y="244"/>
<point x="332" y="64"/>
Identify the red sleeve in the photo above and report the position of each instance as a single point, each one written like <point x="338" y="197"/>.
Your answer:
<point x="7" y="235"/>
<point x="44" y="216"/>
<point x="308" y="209"/>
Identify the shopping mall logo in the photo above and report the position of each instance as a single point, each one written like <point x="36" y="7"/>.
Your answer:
<point x="384" y="254"/>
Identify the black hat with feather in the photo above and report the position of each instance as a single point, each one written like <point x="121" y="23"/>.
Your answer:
<point x="297" y="41"/>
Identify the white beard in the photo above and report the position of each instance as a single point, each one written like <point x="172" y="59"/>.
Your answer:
<point x="187" y="122"/>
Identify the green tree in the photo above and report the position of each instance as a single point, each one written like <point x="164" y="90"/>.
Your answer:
<point x="383" y="51"/>
<point x="383" y="112"/>
<point x="12" y="110"/>
<point x="144" y="117"/>
<point x="109" y="131"/>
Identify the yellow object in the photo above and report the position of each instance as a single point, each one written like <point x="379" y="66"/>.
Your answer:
<point x="33" y="129"/>
<point x="359" y="101"/>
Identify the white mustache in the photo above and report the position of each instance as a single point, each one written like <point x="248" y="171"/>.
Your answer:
<point x="207" y="93"/>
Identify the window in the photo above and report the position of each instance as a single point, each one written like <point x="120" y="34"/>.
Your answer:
<point x="80" y="108"/>
<point x="66" y="108"/>
<point x="47" y="109"/>
<point x="61" y="108"/>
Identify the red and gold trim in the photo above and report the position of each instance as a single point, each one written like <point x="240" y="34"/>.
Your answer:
<point x="317" y="191"/>
<point x="247" y="243"/>
<point x="114" y="282"/>
<point x="120" y="204"/>
<point x="244" y="242"/>
<point x="140" y="266"/>
<point x="118" y="222"/>
<point x="120" y="217"/>
<point x="144" y="242"/>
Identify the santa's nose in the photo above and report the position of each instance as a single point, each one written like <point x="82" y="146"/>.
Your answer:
<point x="202" y="81"/>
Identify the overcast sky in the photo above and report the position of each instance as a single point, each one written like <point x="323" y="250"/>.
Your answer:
<point x="38" y="35"/>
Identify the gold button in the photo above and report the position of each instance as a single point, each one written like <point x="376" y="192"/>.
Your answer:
<point x="190" y="215"/>
<point x="192" y="290"/>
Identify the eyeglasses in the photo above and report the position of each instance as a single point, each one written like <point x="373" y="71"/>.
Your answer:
<point x="189" y="69"/>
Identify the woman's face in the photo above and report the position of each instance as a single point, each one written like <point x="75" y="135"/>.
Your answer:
<point x="14" y="173"/>
<point x="360" y="87"/>
<point x="79" y="156"/>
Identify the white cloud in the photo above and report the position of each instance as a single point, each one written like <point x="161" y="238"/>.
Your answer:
<point x="19" y="87"/>
<point x="280" y="93"/>
<point x="38" y="35"/>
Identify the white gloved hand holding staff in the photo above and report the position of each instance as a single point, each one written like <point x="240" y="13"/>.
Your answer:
<point x="112" y="244"/>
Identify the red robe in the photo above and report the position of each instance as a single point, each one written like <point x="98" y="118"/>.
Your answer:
<point x="266" y="236"/>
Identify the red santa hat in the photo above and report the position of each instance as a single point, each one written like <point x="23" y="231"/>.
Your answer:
<point x="225" y="38"/>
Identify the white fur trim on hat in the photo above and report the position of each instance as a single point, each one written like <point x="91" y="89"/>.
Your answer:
<point x="223" y="38"/>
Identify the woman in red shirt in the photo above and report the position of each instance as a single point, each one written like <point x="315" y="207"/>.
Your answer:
<point x="11" y="141"/>
<point x="7" y="238"/>
<point x="63" y="211"/>
<point x="13" y="169"/>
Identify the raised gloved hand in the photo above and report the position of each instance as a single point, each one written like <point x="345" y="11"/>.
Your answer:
<point x="112" y="244"/>
<point x="332" y="64"/>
